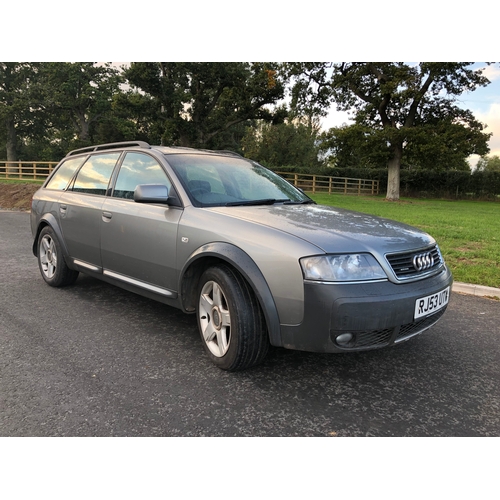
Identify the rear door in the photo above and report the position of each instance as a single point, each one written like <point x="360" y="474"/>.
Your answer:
<point x="80" y="209"/>
<point x="138" y="240"/>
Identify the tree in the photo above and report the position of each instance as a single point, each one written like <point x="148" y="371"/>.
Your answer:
<point x="197" y="103"/>
<point x="294" y="142"/>
<point x="438" y="146"/>
<point x="353" y="146"/>
<point x="78" y="96"/>
<point x="488" y="164"/>
<point x="402" y="106"/>
<point x="16" y="114"/>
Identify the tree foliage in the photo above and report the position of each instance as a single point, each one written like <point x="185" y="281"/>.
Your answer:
<point x="406" y="117"/>
<point x="294" y="142"/>
<point x="17" y="115"/>
<point x="398" y="108"/>
<point x="49" y="108"/>
<point x="194" y="104"/>
<point x="488" y="164"/>
<point x="80" y="94"/>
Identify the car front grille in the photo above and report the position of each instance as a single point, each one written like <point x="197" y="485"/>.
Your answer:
<point x="372" y="339"/>
<point x="415" y="264"/>
<point x="407" y="331"/>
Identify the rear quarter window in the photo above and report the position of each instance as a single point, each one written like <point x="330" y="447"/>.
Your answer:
<point x="61" y="177"/>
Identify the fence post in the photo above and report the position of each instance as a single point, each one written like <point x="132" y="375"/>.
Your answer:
<point x="10" y="168"/>
<point x="329" y="185"/>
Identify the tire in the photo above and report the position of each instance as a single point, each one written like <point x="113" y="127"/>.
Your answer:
<point x="51" y="262"/>
<point x="231" y="323"/>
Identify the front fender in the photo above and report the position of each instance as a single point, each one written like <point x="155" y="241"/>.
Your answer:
<point x="236" y="257"/>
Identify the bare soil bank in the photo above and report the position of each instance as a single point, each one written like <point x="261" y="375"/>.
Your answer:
<point x="16" y="196"/>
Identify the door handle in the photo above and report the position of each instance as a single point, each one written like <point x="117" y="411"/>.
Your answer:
<point x="106" y="216"/>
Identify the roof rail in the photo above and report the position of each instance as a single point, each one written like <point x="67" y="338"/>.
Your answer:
<point x="226" y="151"/>
<point x="213" y="151"/>
<point x="111" y="145"/>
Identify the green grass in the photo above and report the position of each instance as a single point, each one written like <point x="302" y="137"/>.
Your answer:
<point x="3" y="180"/>
<point x="468" y="232"/>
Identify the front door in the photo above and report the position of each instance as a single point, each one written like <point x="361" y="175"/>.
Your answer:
<point x="138" y="240"/>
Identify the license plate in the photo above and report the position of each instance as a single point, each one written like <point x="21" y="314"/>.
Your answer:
<point x="431" y="303"/>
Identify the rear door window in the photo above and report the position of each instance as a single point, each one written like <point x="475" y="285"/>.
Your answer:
<point x="93" y="177"/>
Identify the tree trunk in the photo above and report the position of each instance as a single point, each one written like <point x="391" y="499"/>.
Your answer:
<point x="11" y="144"/>
<point x="84" y="130"/>
<point x="393" y="179"/>
<point x="82" y="126"/>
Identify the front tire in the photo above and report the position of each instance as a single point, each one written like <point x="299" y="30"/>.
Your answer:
<point x="231" y="323"/>
<point x="54" y="270"/>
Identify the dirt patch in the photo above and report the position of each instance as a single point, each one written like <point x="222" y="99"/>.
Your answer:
<point x="16" y="196"/>
<point x="471" y="247"/>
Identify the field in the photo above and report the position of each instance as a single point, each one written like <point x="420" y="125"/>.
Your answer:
<point x="468" y="232"/>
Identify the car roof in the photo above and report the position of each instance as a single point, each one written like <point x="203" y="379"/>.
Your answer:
<point x="166" y="150"/>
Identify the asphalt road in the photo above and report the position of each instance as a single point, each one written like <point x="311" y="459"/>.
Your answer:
<point x="94" y="360"/>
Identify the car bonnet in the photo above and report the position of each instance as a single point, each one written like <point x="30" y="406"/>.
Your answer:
<point x="335" y="230"/>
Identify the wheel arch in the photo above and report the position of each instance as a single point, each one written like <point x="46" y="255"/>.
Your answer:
<point x="51" y="221"/>
<point x="219" y="252"/>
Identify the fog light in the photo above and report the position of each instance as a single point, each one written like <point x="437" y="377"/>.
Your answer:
<point x="344" y="339"/>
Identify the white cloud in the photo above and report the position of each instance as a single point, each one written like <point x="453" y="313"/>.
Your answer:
<point x="492" y="72"/>
<point x="492" y="119"/>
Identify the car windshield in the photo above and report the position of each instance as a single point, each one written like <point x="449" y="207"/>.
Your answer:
<point x="212" y="180"/>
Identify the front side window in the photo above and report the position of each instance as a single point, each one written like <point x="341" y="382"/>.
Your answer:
<point x="138" y="168"/>
<point x="93" y="177"/>
<point x="64" y="173"/>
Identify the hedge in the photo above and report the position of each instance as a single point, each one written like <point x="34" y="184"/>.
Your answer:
<point x="420" y="182"/>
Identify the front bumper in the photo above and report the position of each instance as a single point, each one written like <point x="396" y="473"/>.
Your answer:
<point x="376" y="314"/>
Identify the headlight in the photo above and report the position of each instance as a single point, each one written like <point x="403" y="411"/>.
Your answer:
<point x="354" y="267"/>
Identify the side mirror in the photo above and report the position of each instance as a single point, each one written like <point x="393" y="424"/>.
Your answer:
<point x="151" y="193"/>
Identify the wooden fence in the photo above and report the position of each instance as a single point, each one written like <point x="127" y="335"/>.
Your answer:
<point x="326" y="184"/>
<point x="40" y="170"/>
<point x="27" y="170"/>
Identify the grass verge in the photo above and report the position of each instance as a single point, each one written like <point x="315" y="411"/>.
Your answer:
<point x="468" y="232"/>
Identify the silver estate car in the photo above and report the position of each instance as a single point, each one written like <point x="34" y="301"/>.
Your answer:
<point x="256" y="260"/>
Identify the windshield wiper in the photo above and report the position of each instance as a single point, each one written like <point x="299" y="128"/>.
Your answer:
<point x="303" y="202"/>
<point x="265" y="201"/>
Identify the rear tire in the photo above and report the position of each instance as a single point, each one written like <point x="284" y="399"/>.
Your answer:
<point x="51" y="262"/>
<point x="231" y="323"/>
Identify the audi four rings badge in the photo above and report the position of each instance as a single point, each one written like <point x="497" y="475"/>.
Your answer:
<point x="423" y="261"/>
